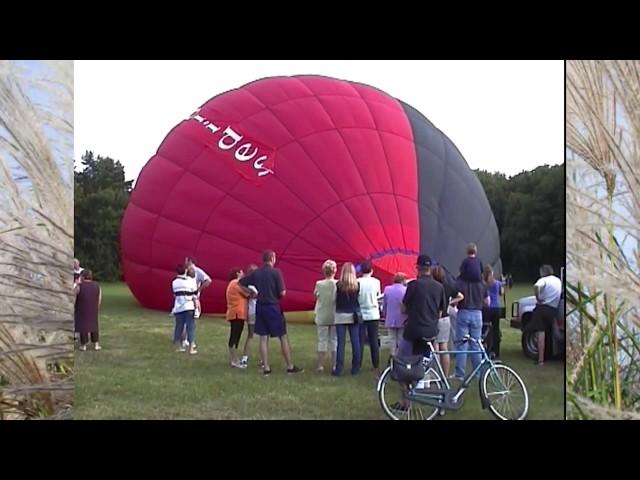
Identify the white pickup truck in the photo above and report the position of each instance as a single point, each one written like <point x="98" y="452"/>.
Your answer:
<point x="521" y="312"/>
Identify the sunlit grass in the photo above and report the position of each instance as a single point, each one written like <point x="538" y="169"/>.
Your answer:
<point x="139" y="376"/>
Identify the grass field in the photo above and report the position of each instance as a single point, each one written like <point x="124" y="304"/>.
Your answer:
<point x="139" y="376"/>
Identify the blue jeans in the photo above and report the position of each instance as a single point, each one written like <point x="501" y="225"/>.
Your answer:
<point x="469" y="322"/>
<point x="356" y="353"/>
<point x="182" y="319"/>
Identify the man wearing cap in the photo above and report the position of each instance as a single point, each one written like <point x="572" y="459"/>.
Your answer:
<point x="425" y="303"/>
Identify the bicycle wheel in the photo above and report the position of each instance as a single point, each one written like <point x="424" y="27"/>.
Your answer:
<point x="396" y="407"/>
<point x="506" y="393"/>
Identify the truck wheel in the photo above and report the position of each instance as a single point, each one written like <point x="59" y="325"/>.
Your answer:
<point x="530" y="344"/>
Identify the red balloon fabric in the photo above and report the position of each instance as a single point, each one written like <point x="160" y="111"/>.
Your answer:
<point x="312" y="167"/>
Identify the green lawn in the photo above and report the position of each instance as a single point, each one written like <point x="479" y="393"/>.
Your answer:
<point x="139" y="376"/>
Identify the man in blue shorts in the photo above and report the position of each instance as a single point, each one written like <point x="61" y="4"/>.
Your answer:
<point x="269" y="319"/>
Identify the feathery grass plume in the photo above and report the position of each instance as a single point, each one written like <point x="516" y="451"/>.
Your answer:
<point x="591" y="111"/>
<point x="592" y="133"/>
<point x="36" y="238"/>
<point x="582" y="408"/>
<point x="603" y="231"/>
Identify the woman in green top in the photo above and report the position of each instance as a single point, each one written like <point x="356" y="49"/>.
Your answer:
<point x="325" y="293"/>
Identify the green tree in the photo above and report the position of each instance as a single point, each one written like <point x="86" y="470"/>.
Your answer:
<point x="101" y="196"/>
<point x="496" y="187"/>
<point x="530" y="214"/>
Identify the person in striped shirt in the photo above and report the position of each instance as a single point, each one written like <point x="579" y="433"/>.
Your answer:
<point x="185" y="293"/>
<point x="203" y="280"/>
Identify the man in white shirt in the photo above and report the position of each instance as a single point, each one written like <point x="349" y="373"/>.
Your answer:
<point x="547" y="290"/>
<point x="370" y="312"/>
<point x="203" y="280"/>
<point x="183" y="308"/>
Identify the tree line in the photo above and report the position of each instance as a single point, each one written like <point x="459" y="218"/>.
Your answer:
<point x="529" y="209"/>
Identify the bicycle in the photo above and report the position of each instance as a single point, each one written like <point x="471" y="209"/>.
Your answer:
<point x="496" y="382"/>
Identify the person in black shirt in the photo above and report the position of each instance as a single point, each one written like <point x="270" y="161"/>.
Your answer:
<point x="469" y="322"/>
<point x="346" y="317"/>
<point x="425" y="303"/>
<point x="269" y="318"/>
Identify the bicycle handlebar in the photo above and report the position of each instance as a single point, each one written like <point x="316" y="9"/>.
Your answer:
<point x="465" y="339"/>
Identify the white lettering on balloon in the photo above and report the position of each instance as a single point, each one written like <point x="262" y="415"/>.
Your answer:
<point x="233" y="135"/>
<point x="230" y="139"/>
<point x="212" y="127"/>
<point x="241" y="153"/>
<point x="258" y="165"/>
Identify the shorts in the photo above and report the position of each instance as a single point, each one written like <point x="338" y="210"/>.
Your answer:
<point x="542" y="317"/>
<point x="326" y="334"/>
<point x="343" y="318"/>
<point x="444" y="326"/>
<point x="252" y="319"/>
<point x="269" y="320"/>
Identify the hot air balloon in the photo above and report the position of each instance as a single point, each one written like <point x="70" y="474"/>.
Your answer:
<point x="313" y="168"/>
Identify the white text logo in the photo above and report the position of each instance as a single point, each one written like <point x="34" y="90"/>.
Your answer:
<point x="229" y="141"/>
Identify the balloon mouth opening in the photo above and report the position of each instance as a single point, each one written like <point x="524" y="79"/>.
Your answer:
<point x="392" y="261"/>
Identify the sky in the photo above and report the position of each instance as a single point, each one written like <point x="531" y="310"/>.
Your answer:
<point x="504" y="116"/>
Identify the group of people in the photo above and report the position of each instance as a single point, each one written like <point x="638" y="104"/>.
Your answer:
<point x="88" y="299"/>
<point x="414" y="311"/>
<point x="252" y="298"/>
<point x="434" y="306"/>
<point x="349" y="304"/>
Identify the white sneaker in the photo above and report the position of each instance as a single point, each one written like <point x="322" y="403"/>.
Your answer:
<point x="83" y="348"/>
<point x="193" y="351"/>
<point x="97" y="347"/>
<point x="181" y="349"/>
<point x="185" y="344"/>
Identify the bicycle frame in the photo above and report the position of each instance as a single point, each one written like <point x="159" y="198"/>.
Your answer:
<point x="435" y="357"/>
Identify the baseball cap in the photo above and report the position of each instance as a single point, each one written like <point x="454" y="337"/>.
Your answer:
<point x="424" y="261"/>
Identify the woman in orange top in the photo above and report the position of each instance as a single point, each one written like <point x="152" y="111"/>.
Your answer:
<point x="237" y="310"/>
